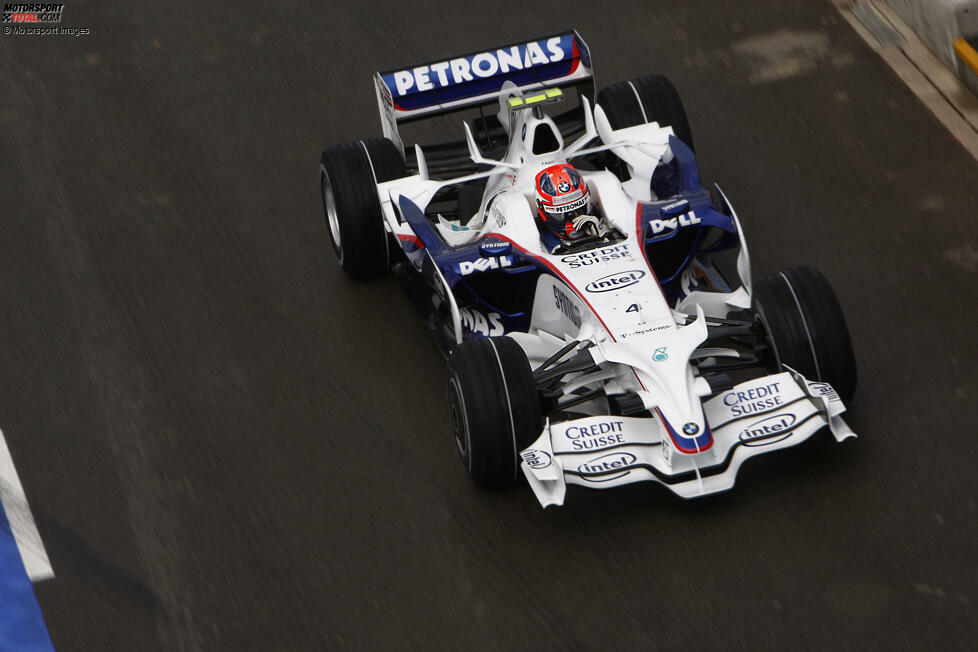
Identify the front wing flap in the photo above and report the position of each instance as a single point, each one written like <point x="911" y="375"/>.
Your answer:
<point x="755" y="417"/>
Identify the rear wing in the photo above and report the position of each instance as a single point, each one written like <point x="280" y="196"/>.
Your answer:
<point x="477" y="79"/>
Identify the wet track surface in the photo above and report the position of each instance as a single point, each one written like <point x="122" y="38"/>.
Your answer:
<point x="228" y="444"/>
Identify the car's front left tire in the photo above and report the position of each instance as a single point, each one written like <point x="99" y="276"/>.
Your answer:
<point x="805" y="327"/>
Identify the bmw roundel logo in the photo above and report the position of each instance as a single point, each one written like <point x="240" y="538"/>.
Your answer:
<point x="690" y="429"/>
<point x="563" y="186"/>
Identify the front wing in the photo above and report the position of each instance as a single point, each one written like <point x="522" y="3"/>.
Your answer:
<point x="755" y="417"/>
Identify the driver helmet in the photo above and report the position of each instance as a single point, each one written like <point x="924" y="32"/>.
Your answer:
<point x="562" y="197"/>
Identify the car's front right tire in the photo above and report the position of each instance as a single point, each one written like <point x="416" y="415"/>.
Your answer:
<point x="495" y="409"/>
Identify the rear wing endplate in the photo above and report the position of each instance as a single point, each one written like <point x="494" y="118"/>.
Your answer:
<point x="477" y="79"/>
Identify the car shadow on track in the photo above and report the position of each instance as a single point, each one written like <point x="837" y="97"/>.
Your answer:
<point x="76" y="560"/>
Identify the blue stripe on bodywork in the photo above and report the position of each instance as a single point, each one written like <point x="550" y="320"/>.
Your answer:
<point x="688" y="169"/>
<point x="422" y="228"/>
<point x="21" y="624"/>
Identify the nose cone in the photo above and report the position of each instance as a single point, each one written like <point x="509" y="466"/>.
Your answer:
<point x="691" y="438"/>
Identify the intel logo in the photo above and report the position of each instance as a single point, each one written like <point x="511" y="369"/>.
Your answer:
<point x="825" y="391"/>
<point x="615" y="281"/>
<point x="607" y="464"/>
<point x="769" y="430"/>
<point x="536" y="459"/>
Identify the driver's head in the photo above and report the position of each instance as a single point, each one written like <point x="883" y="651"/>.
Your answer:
<point x="562" y="197"/>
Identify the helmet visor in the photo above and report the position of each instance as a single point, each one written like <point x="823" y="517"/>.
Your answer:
<point x="577" y="206"/>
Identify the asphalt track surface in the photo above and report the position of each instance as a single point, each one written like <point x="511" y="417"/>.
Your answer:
<point x="229" y="445"/>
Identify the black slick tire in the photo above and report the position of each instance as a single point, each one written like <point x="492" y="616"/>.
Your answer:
<point x="806" y="328"/>
<point x="495" y="408"/>
<point x="347" y="177"/>
<point x="652" y="98"/>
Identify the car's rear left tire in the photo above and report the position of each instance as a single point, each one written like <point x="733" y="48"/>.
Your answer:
<point x="652" y="98"/>
<point x="806" y="328"/>
<point x="495" y="408"/>
<point x="348" y="174"/>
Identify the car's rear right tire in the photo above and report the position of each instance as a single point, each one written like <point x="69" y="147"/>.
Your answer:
<point x="806" y="328"/>
<point x="348" y="174"/>
<point x="495" y="408"/>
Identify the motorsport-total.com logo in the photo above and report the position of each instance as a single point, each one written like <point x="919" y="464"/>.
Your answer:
<point x="29" y="12"/>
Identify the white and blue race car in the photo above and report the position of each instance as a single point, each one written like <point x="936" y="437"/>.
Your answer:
<point x="644" y="353"/>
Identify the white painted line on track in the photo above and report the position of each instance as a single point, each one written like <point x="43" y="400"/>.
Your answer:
<point x="22" y="525"/>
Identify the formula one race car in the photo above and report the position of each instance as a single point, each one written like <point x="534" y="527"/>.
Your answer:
<point x="577" y="276"/>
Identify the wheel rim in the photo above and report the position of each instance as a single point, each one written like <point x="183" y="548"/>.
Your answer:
<point x="332" y="218"/>
<point x="459" y="423"/>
